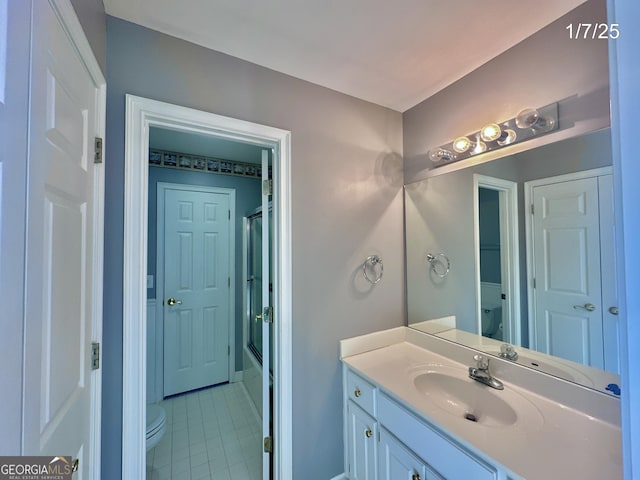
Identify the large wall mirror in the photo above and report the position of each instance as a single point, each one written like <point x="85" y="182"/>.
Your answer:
<point x="517" y="255"/>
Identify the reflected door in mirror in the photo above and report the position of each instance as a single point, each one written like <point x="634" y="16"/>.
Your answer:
<point x="567" y="298"/>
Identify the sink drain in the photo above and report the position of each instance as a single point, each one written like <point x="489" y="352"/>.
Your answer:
<point x="471" y="417"/>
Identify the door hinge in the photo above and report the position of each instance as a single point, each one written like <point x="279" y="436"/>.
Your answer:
<point x="229" y="282"/>
<point x="532" y="209"/>
<point x="97" y="150"/>
<point x="267" y="314"/>
<point x="228" y="350"/>
<point x="268" y="445"/>
<point x="95" y="355"/>
<point x="229" y="212"/>
<point x="534" y="283"/>
<point x="267" y="187"/>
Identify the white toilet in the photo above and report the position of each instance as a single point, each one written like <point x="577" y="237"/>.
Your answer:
<point x="156" y="424"/>
<point x="491" y="320"/>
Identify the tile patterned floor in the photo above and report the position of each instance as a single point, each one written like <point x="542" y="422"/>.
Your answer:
<point x="212" y="434"/>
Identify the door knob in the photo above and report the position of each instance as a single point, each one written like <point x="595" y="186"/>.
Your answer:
<point x="589" y="307"/>
<point x="172" y="301"/>
<point x="613" y="310"/>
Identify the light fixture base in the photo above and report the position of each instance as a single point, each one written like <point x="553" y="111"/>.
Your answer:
<point x="540" y="122"/>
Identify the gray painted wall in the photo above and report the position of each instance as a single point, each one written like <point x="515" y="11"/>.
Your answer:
<point x="346" y="205"/>
<point x="433" y="205"/>
<point x="545" y="68"/>
<point x="248" y="197"/>
<point x="94" y="23"/>
<point x="14" y="109"/>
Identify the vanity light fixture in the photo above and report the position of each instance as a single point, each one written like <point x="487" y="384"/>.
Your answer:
<point x="527" y="124"/>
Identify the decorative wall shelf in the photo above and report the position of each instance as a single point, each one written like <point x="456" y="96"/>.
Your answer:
<point x="199" y="163"/>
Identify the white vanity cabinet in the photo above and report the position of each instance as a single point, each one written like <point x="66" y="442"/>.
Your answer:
<point x="397" y="462"/>
<point x="361" y="428"/>
<point x="385" y="441"/>
<point x="362" y="436"/>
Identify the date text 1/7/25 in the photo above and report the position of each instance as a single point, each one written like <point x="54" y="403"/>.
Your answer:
<point x="593" y="31"/>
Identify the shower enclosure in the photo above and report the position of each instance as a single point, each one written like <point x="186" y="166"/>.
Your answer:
<point x="254" y="286"/>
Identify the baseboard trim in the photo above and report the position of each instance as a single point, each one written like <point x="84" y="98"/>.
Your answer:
<point x="237" y="376"/>
<point x="342" y="476"/>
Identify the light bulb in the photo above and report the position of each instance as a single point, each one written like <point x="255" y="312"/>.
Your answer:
<point x="479" y="147"/>
<point x="441" y="155"/>
<point x="527" y="118"/>
<point x="508" y="136"/>
<point x="461" y="144"/>
<point x="490" y="132"/>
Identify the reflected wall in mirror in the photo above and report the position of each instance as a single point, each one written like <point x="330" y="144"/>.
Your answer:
<point x="530" y="241"/>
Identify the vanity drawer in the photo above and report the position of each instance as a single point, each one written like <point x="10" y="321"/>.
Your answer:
<point x="361" y="392"/>
<point x="446" y="457"/>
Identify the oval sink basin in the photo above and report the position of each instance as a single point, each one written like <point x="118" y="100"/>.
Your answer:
<point x="470" y="401"/>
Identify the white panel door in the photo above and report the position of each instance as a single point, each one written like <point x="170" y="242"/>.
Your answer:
<point x="566" y="252"/>
<point x="59" y="299"/>
<point x="196" y="289"/>
<point x="610" y="322"/>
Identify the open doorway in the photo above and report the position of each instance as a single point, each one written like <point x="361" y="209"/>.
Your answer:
<point x="201" y="188"/>
<point x="142" y="115"/>
<point x="496" y="255"/>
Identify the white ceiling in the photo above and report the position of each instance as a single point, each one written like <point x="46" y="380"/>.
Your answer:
<point x="395" y="53"/>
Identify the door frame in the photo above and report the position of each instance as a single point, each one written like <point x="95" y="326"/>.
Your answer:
<point x="508" y="192"/>
<point x="231" y="193"/>
<point x="529" y="217"/>
<point x="141" y="114"/>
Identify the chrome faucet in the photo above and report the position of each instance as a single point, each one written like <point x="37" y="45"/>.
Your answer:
<point x="481" y="373"/>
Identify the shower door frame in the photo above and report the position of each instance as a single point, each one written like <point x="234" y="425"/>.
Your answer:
<point x="256" y="213"/>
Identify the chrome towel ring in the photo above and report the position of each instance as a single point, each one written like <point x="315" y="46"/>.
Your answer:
<point x="371" y="263"/>
<point x="435" y="260"/>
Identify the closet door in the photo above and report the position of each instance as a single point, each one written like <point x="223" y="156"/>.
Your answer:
<point x="63" y="258"/>
<point x="610" y="318"/>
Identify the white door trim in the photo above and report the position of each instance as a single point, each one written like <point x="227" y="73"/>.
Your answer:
<point x="141" y="113"/>
<point x="510" y="250"/>
<point x="528" y="200"/>
<point x="231" y="193"/>
<point x="71" y="24"/>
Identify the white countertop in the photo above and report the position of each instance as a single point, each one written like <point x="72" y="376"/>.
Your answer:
<point x="567" y="444"/>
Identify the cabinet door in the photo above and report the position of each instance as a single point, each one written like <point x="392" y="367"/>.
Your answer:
<point x="362" y="432"/>
<point x="396" y="462"/>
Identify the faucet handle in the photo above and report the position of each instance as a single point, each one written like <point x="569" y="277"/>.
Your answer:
<point x="507" y="351"/>
<point x="482" y="362"/>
